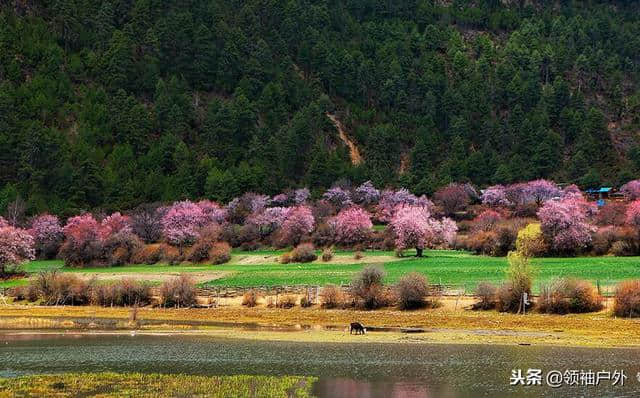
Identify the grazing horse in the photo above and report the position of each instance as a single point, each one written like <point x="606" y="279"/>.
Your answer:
<point x="357" y="326"/>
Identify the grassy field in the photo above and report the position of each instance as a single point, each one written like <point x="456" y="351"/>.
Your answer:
<point x="448" y="267"/>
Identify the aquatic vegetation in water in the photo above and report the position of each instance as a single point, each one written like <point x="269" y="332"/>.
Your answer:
<point x="154" y="385"/>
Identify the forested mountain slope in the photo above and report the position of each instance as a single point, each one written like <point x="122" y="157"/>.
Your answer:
<point x="107" y="104"/>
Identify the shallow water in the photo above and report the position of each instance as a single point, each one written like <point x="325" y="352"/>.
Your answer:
<point x="343" y="369"/>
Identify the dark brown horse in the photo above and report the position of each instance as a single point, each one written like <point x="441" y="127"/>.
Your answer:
<point x="357" y="326"/>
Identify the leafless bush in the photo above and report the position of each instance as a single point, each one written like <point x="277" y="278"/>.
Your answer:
<point x="487" y="295"/>
<point x="178" y="292"/>
<point x="568" y="295"/>
<point x="368" y="289"/>
<point x="250" y="298"/>
<point x="411" y="291"/>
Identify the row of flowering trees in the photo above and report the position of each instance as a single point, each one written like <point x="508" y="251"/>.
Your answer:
<point x="341" y="216"/>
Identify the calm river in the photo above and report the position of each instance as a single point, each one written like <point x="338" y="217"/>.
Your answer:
<point x="344" y="370"/>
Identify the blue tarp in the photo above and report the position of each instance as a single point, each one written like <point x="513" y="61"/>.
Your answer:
<point x="599" y="190"/>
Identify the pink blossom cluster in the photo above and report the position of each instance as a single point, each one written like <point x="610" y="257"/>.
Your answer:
<point x="16" y="246"/>
<point x="366" y="194"/>
<point x="565" y="223"/>
<point x="631" y="189"/>
<point x="299" y="222"/>
<point x="270" y="219"/>
<point x="212" y="211"/>
<point x="182" y="222"/>
<point x="113" y="224"/>
<point x="82" y="228"/>
<point x="632" y="215"/>
<point x="351" y="226"/>
<point x="391" y="200"/>
<point x="46" y="230"/>
<point x="339" y="197"/>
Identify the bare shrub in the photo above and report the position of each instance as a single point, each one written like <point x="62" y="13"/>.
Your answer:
<point x="327" y="254"/>
<point x="358" y="255"/>
<point x="568" y="295"/>
<point x="220" y="253"/>
<point x="250" y="298"/>
<point x="126" y="292"/>
<point x="332" y="297"/>
<point x="303" y="253"/>
<point x="411" y="291"/>
<point x="487" y="296"/>
<point x="178" y="292"/>
<point x="627" y="299"/>
<point x="368" y="290"/>
<point x="621" y="248"/>
<point x="55" y="288"/>
<point x="120" y="248"/>
<point x="286" y="302"/>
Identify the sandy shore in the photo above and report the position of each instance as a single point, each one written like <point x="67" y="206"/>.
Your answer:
<point x="451" y="323"/>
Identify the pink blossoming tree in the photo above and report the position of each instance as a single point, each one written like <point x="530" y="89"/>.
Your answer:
<point x="414" y="227"/>
<point x="182" y="222"/>
<point x="495" y="196"/>
<point x="631" y="189"/>
<point x="47" y="235"/>
<point x="114" y="224"/>
<point x="351" y="226"/>
<point x="16" y="247"/>
<point x="487" y="220"/>
<point x="565" y="225"/>
<point x="299" y="222"/>
<point x="632" y="215"/>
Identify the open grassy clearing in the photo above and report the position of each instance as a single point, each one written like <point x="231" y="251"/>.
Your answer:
<point x="448" y="267"/>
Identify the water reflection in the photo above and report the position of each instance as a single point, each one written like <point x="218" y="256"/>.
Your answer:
<point x="344" y="370"/>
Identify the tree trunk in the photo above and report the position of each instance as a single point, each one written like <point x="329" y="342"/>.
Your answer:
<point x="418" y="252"/>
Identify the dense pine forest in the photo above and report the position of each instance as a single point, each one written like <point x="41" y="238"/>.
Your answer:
<point x="109" y="104"/>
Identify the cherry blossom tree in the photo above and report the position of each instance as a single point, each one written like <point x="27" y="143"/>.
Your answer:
<point x="495" y="196"/>
<point x="351" y="226"/>
<point x="632" y="215"/>
<point x="413" y="227"/>
<point x="213" y="212"/>
<point x="366" y="194"/>
<point x="82" y="228"/>
<point x="299" y="222"/>
<point x="182" y="222"/>
<point x="565" y="225"/>
<point x="631" y="189"/>
<point x="114" y="224"/>
<point x="540" y="191"/>
<point x="47" y="235"/>
<point x="16" y="247"/>
<point x="444" y="232"/>
<point x="340" y="198"/>
<point x="269" y="220"/>
<point x="391" y="200"/>
<point x="83" y="244"/>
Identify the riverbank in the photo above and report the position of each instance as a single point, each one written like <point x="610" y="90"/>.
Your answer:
<point x="451" y="323"/>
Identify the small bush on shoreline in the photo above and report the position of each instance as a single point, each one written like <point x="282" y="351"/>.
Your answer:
<point x="487" y="296"/>
<point x="627" y="299"/>
<point x="250" y="298"/>
<point x="568" y="295"/>
<point x="178" y="292"/>
<point x="411" y="291"/>
<point x="368" y="290"/>
<point x="332" y="297"/>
